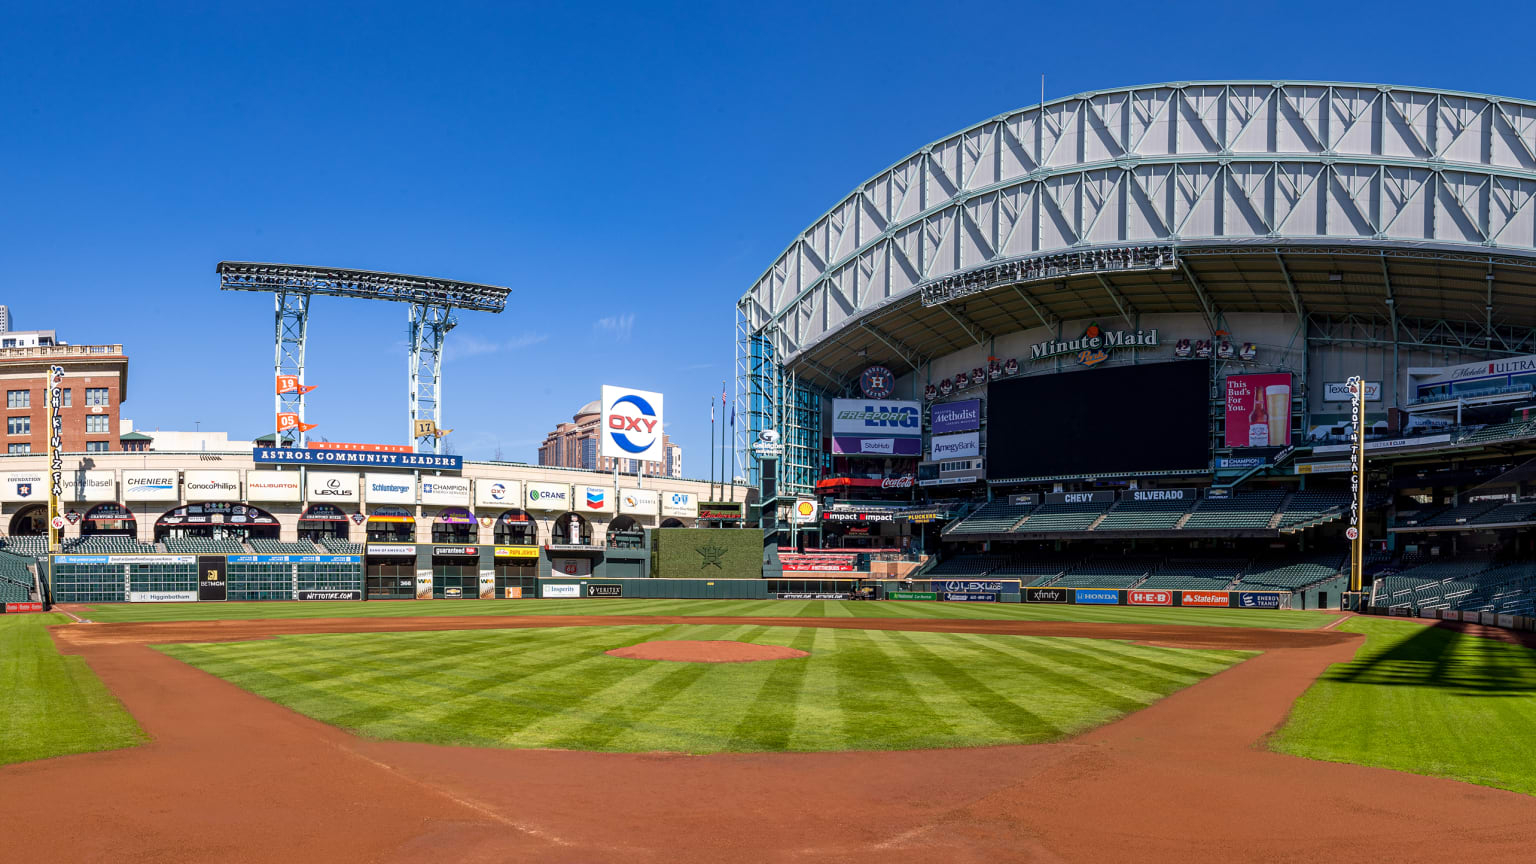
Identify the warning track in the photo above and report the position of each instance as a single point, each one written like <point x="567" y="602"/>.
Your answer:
<point x="229" y="776"/>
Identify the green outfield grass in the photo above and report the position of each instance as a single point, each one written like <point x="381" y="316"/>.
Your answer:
<point x="52" y="705"/>
<point x="747" y="608"/>
<point x="1427" y="701"/>
<point x="555" y="688"/>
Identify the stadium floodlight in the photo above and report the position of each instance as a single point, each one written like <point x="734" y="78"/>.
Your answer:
<point x="432" y="303"/>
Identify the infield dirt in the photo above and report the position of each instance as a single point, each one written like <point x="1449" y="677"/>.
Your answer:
<point x="229" y="776"/>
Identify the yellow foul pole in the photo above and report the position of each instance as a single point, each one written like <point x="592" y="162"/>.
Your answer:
<point x="1355" y="532"/>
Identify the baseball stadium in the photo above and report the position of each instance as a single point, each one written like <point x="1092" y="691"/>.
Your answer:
<point x="1143" y="473"/>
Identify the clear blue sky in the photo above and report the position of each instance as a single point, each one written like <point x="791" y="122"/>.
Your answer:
<point x="627" y="170"/>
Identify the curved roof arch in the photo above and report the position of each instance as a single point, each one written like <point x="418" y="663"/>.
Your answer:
<point x="1239" y="167"/>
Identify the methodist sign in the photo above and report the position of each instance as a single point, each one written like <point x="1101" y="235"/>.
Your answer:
<point x="869" y="427"/>
<point x="956" y="416"/>
<point x="631" y="424"/>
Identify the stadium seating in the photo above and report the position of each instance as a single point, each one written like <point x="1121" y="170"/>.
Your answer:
<point x="337" y="546"/>
<point x="1508" y="512"/>
<point x="107" y="544"/>
<point x="1308" y="507"/>
<point x="1107" y="573"/>
<point x="994" y="517"/>
<point x="1460" y="515"/>
<point x="1143" y="516"/>
<point x="16" y="578"/>
<point x="1290" y="571"/>
<point x="816" y="560"/>
<point x="1196" y="574"/>
<point x="1242" y="510"/>
<point x="203" y="546"/>
<point x="33" y="545"/>
<point x="1063" y="517"/>
<point x="967" y="566"/>
<point x="1033" y="571"/>
<point x="1499" y="431"/>
<point x="269" y="546"/>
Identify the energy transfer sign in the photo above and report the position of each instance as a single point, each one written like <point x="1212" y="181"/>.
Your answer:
<point x="631" y="424"/>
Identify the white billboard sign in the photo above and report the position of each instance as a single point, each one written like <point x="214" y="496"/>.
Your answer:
<point x="631" y="424"/>
<point x="272" y="486"/>
<point x="332" y="487"/>
<point x="90" y="486"/>
<point x="149" y="486"/>
<point x="24" y="486"/>
<point x="877" y="427"/>
<point x="594" y="499"/>
<point x="447" y="491"/>
<point x="492" y="493"/>
<point x="548" y="496"/>
<point x="1338" y="391"/>
<point x="961" y="445"/>
<point x="389" y="488"/>
<point x="211" y="485"/>
<point x="639" y="502"/>
<point x="681" y="504"/>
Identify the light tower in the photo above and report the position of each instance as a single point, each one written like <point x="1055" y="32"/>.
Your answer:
<point x="432" y="302"/>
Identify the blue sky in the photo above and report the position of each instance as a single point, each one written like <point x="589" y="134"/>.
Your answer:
<point x="627" y="170"/>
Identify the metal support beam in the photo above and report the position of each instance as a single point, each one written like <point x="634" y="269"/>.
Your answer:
<point x="1119" y="301"/>
<point x="292" y="328"/>
<point x="1301" y="310"/>
<point x="1047" y="323"/>
<point x="912" y="358"/>
<point x="970" y="327"/>
<point x="429" y="326"/>
<point x="1205" y="300"/>
<point x="1386" y="279"/>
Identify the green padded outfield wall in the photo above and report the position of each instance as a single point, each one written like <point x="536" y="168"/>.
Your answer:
<point x="707" y="553"/>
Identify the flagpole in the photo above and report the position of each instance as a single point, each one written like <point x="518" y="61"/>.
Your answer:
<point x="733" y="453"/>
<point x="711" y="447"/>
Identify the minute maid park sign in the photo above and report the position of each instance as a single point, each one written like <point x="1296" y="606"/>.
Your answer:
<point x="1094" y="345"/>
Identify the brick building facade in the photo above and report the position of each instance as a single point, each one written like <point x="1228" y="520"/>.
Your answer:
<point x="574" y="445"/>
<point x="95" y="386"/>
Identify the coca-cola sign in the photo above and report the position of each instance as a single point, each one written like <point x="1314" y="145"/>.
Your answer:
<point x="898" y="482"/>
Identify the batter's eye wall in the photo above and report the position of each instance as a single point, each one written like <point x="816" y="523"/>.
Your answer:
<point x="707" y="553"/>
<point x="1098" y="421"/>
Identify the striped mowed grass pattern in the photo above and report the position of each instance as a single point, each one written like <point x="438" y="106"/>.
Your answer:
<point x="1281" y="619"/>
<point x="555" y="687"/>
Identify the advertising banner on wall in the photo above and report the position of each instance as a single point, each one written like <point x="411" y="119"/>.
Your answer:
<point x="211" y="485"/>
<point x="272" y="486"/>
<point x="149" y="486"/>
<point x="490" y="494"/>
<point x="631" y="424"/>
<point x="560" y="591"/>
<point x="639" y="502"/>
<point x="681" y="504"/>
<point x="1338" y="391"/>
<point x="571" y="566"/>
<point x="351" y="459"/>
<point x="548" y="496"/>
<point x="956" y="416"/>
<point x="332" y="487"/>
<point x="1259" y="410"/>
<point x="448" y="491"/>
<point x="379" y="488"/>
<point x="594" y="499"/>
<point x="23" y="486"/>
<point x="958" y="446"/>
<point x="90" y="486"/>
<point x="876" y="428"/>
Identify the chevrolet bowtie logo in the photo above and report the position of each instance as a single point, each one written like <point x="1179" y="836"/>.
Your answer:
<point x="712" y="555"/>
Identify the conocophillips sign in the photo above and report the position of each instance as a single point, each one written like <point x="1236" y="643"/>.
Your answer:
<point x="211" y="485"/>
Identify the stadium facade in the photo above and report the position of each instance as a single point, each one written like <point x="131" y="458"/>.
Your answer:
<point x="1149" y="299"/>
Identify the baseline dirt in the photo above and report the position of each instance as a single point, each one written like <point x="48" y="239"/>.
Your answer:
<point x="705" y="651"/>
<point x="229" y="776"/>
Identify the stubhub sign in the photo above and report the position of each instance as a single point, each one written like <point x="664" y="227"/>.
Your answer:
<point x="876" y="427"/>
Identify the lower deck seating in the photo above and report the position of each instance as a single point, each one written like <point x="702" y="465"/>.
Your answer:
<point x="203" y="546"/>
<point x="269" y="546"/>
<point x="968" y="565"/>
<point x="341" y="547"/>
<point x="991" y="518"/>
<point x="1063" y="517"/>
<point x="1289" y="572"/>
<point x="1195" y="574"/>
<point x="1242" y="510"/>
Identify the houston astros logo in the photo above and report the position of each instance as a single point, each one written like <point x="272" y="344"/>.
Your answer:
<point x="712" y="556"/>
<point x="638" y="418"/>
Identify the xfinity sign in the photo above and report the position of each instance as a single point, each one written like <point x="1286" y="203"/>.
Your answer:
<point x="631" y="424"/>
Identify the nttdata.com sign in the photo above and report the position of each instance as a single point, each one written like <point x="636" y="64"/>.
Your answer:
<point x="631" y="424"/>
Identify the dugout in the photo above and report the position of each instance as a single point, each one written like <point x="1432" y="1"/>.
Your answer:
<point x="455" y="572"/>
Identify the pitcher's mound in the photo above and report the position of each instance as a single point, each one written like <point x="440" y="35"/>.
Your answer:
<point x="705" y="651"/>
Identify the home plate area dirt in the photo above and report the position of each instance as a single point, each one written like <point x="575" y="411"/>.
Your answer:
<point x="230" y="777"/>
<point x="705" y="651"/>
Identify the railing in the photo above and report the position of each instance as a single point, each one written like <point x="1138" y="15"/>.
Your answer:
<point x="60" y="351"/>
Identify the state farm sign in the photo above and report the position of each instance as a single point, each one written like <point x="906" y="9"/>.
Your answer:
<point x="1215" y="599"/>
<point x="1149" y="598"/>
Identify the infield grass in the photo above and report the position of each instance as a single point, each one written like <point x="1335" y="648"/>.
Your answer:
<point x="50" y="704"/>
<point x="1280" y="619"/>
<point x="1427" y="701"/>
<point x="555" y="688"/>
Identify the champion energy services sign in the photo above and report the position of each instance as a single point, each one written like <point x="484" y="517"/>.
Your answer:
<point x="869" y="427"/>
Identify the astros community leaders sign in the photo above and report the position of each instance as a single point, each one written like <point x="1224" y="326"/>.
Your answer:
<point x="295" y="456"/>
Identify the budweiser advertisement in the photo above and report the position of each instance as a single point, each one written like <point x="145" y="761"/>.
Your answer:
<point x="1259" y="410"/>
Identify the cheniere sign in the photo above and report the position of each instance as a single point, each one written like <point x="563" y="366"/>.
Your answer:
<point x="294" y="456"/>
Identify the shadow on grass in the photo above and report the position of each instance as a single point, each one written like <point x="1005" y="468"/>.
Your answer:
<point x="1437" y="657"/>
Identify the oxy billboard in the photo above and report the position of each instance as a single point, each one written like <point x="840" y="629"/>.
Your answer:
<point x="1259" y="410"/>
<point x="506" y="494"/>
<point x="871" y="427"/>
<point x="956" y="417"/>
<point x="958" y="446"/>
<point x="631" y="424"/>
